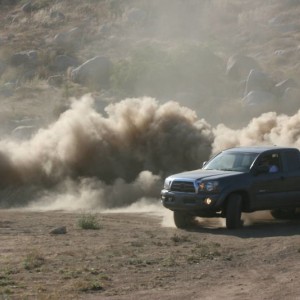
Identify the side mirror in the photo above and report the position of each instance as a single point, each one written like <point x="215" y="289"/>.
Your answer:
<point x="204" y="163"/>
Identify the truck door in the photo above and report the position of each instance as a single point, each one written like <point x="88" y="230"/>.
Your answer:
<point x="291" y="160"/>
<point x="268" y="186"/>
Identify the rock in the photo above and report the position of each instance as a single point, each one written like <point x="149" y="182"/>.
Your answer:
<point x="107" y="30"/>
<point x="239" y="66"/>
<point x="57" y="15"/>
<point x="291" y="95"/>
<point x="280" y="23"/>
<point x="277" y="20"/>
<point x="7" y="89"/>
<point x="2" y="68"/>
<point x="258" y="81"/>
<point x="23" y="132"/>
<point x="28" y="74"/>
<point x="27" y="7"/>
<point x="9" y="2"/>
<point x="254" y="98"/>
<point x="56" y="80"/>
<point x="24" y="58"/>
<point x="116" y="8"/>
<point x="290" y="100"/>
<point x="27" y="122"/>
<point x="281" y="87"/>
<point x="95" y="71"/>
<point x="68" y="39"/>
<point x="292" y="2"/>
<point x="59" y="230"/>
<point x="62" y="62"/>
<point x="288" y="28"/>
<point x="28" y="60"/>
<point x="136" y="16"/>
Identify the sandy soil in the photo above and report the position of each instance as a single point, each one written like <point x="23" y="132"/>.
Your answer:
<point x="133" y="256"/>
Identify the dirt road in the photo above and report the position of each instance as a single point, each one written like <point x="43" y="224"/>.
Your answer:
<point x="133" y="256"/>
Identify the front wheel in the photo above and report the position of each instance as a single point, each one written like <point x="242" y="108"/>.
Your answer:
<point x="183" y="220"/>
<point x="234" y="212"/>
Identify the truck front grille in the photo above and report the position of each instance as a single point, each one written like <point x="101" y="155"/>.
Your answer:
<point x="183" y="186"/>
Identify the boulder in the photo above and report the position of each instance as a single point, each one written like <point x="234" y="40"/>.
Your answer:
<point x="68" y="39"/>
<point x="29" y="57"/>
<point x="57" y="15"/>
<point x="62" y="62"/>
<point x="107" y="30"/>
<point x="290" y="101"/>
<point x="259" y="81"/>
<point x="277" y="20"/>
<point x="27" y="7"/>
<point x="7" y="89"/>
<point x="282" y="86"/>
<point x="28" y="74"/>
<point x="291" y="95"/>
<point x="254" y="98"/>
<point x="56" y="80"/>
<point x="239" y="66"/>
<point x="23" y="132"/>
<point x="136" y="16"/>
<point x="95" y="72"/>
<point x="59" y="230"/>
<point x="9" y="2"/>
<point x="2" y="68"/>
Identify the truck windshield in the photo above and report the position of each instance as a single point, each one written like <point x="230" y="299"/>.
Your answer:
<point x="231" y="161"/>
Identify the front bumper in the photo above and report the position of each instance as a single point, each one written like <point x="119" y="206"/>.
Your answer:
<point x="206" y="205"/>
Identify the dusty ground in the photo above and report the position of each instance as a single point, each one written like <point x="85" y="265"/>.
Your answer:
<point x="133" y="256"/>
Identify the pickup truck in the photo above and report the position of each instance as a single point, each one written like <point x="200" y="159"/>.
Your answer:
<point x="242" y="179"/>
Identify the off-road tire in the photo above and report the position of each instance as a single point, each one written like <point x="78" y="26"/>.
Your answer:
<point x="183" y="220"/>
<point x="234" y="211"/>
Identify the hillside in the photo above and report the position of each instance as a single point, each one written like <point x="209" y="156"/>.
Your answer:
<point x="170" y="50"/>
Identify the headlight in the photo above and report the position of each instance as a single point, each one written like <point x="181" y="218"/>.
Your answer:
<point x="209" y="186"/>
<point x="167" y="184"/>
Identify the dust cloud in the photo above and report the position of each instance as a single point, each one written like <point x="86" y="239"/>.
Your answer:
<point x="91" y="160"/>
<point x="268" y="129"/>
<point x="117" y="160"/>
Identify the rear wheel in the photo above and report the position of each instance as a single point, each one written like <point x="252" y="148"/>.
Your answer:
<point x="183" y="220"/>
<point x="234" y="211"/>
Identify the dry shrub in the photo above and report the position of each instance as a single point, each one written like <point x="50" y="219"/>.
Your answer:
<point x="88" y="221"/>
<point x="33" y="260"/>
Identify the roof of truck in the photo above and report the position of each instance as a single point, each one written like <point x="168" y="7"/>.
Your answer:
<point x="259" y="149"/>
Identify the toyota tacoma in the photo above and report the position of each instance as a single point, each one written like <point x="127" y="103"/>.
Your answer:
<point x="242" y="179"/>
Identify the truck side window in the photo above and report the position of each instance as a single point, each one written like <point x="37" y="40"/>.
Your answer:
<point x="293" y="160"/>
<point x="271" y="161"/>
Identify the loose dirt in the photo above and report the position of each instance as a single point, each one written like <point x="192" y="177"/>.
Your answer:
<point x="133" y="256"/>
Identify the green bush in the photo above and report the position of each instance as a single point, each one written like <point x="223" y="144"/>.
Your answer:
<point x="88" y="221"/>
